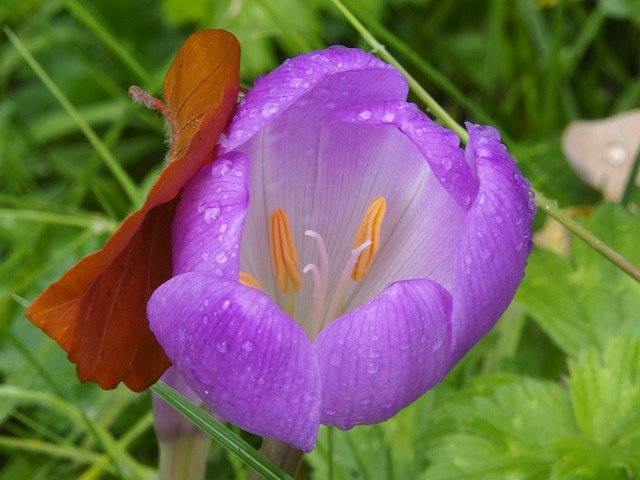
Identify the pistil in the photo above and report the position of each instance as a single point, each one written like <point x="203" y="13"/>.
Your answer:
<point x="319" y="276"/>
<point x="287" y="272"/>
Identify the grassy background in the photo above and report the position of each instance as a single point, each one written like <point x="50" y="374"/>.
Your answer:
<point x="553" y="392"/>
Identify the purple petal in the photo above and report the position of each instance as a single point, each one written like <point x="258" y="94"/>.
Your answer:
<point x="379" y="358"/>
<point x="208" y="223"/>
<point x="495" y="241"/>
<point x="336" y="76"/>
<point x="439" y="145"/>
<point x="278" y="127"/>
<point x="241" y="354"/>
<point x="395" y="151"/>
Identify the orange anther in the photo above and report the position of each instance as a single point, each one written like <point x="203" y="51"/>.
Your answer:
<point x="283" y="252"/>
<point x="369" y="230"/>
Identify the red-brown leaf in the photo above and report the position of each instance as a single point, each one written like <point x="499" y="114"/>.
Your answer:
<point x="97" y="310"/>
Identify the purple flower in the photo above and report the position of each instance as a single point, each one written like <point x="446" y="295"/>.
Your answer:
<point x="341" y="254"/>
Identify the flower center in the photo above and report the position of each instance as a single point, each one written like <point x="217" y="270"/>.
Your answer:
<point x="286" y="269"/>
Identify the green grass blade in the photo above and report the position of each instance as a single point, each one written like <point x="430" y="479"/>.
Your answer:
<point x="86" y="17"/>
<point x="96" y="223"/>
<point x="110" y="161"/>
<point x="68" y="452"/>
<point x="229" y="440"/>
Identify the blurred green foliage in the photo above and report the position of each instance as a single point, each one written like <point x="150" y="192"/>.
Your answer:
<point x="552" y="392"/>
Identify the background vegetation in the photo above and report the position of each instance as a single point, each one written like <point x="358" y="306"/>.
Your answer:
<point x="552" y="392"/>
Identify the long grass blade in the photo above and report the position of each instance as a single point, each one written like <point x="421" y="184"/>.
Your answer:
<point x="229" y="440"/>
<point x="109" y="160"/>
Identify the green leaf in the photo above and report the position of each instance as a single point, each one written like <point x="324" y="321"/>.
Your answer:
<point x="216" y="430"/>
<point x="527" y="428"/>
<point x="586" y="300"/>
<point x="605" y="390"/>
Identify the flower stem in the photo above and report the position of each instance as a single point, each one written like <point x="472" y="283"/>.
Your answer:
<point x="184" y="457"/>
<point x="440" y="113"/>
<point x="282" y="454"/>
<point x="550" y="207"/>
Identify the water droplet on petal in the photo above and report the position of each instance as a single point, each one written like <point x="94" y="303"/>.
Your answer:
<point x="222" y="346"/>
<point x="446" y="164"/>
<point x="221" y="168"/>
<point x="295" y="82"/>
<point x="221" y="257"/>
<point x="389" y="117"/>
<point x="364" y="115"/>
<point x="269" y="109"/>
<point x="225" y="305"/>
<point x="373" y="353"/>
<point x="211" y="214"/>
<point x="247" y="346"/>
<point x="373" y="368"/>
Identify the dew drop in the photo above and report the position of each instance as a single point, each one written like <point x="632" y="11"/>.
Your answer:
<point x="247" y="346"/>
<point x="373" y="353"/>
<point x="221" y="258"/>
<point x="373" y="368"/>
<point x="211" y="214"/>
<point x="364" y="115"/>
<point x="269" y="109"/>
<point x="225" y="305"/>
<point x="389" y="117"/>
<point x="616" y="154"/>
<point x="223" y="228"/>
<point x="222" y="346"/>
<point x="295" y="82"/>
<point x="466" y="199"/>
<point x="221" y="168"/>
<point x="446" y="164"/>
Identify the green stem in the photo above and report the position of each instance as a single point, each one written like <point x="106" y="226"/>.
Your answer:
<point x="282" y="454"/>
<point x="550" y="207"/>
<point x="543" y="202"/>
<point x="184" y="457"/>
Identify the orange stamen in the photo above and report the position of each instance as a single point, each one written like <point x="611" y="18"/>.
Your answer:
<point x="283" y="252"/>
<point x="369" y="230"/>
<point x="249" y="280"/>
